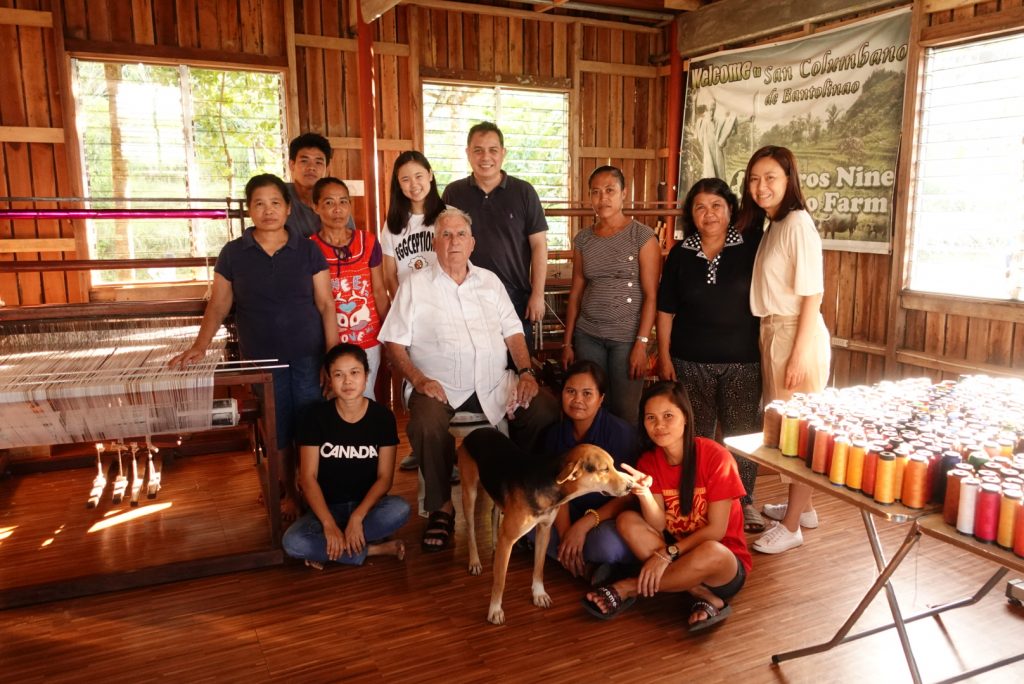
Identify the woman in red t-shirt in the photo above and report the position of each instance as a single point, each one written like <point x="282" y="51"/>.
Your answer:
<point x="689" y="531"/>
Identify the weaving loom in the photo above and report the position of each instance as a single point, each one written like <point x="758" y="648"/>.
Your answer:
<point x="97" y="375"/>
<point x="89" y="381"/>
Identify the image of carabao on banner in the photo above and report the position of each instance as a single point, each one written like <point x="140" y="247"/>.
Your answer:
<point x="835" y="99"/>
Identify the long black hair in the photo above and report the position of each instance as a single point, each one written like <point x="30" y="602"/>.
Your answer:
<point x="400" y="206"/>
<point x="751" y="215"/>
<point x="676" y="393"/>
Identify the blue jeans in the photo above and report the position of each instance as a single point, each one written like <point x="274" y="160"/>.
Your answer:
<point x="603" y="545"/>
<point x="623" y="398"/>
<point x="305" y="538"/>
<point x="296" y="388"/>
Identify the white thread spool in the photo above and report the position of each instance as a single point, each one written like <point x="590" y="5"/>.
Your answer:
<point x="969" y="488"/>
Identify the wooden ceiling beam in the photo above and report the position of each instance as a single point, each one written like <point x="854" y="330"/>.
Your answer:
<point x="374" y="9"/>
<point x="734" y="22"/>
<point x="550" y="5"/>
<point x="683" y="5"/>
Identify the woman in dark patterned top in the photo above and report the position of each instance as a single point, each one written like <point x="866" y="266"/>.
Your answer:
<point x="707" y="337"/>
<point x="615" y="269"/>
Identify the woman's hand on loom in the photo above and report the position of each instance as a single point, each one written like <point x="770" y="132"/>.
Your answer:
<point x="187" y="357"/>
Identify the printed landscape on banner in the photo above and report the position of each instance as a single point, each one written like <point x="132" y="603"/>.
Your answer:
<point x="834" y="98"/>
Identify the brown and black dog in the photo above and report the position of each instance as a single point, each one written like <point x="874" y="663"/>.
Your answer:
<point x="528" y="489"/>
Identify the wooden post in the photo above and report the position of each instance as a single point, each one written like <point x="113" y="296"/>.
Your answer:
<point x="367" y="120"/>
<point x="674" y="132"/>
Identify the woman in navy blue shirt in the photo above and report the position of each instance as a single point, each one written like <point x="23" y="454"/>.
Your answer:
<point x="280" y="288"/>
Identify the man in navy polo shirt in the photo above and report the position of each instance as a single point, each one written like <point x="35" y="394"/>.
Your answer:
<point x="508" y="223"/>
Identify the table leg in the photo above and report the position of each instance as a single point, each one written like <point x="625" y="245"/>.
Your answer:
<point x="882" y="581"/>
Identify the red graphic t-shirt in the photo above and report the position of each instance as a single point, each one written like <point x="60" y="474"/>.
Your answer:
<point x="717" y="479"/>
<point x="352" y="286"/>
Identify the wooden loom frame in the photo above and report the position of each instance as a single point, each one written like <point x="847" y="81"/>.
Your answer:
<point x="265" y="432"/>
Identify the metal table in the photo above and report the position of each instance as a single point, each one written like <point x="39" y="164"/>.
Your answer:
<point x="924" y="521"/>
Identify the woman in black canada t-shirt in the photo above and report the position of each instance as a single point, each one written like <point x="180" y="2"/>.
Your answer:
<point x="347" y="453"/>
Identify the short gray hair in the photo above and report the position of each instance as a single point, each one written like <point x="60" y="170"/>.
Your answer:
<point x="453" y="212"/>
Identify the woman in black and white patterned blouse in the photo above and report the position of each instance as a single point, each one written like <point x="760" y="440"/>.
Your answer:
<point x="615" y="270"/>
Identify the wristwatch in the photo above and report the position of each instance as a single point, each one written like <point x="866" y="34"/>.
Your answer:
<point x="528" y="371"/>
<point x="673" y="552"/>
<point x="641" y="338"/>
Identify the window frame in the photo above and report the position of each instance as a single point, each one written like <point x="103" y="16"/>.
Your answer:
<point x="153" y="290"/>
<point x="567" y="93"/>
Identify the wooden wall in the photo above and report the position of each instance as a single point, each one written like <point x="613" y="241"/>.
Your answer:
<point x="616" y="95"/>
<point x="33" y="157"/>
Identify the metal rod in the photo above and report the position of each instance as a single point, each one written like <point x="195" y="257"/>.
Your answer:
<point x="883" y="580"/>
<point x="40" y="214"/>
<point x="104" y="264"/>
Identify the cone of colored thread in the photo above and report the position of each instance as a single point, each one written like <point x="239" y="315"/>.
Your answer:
<point x="855" y="465"/>
<point x="772" y="425"/>
<point x="915" y="482"/>
<point x="969" y="487"/>
<point x="803" y="448"/>
<point x="1018" y="533"/>
<point x="949" y="461"/>
<point x="1009" y="503"/>
<point x="986" y="513"/>
<point x="818" y="457"/>
<point x="840" y="458"/>
<point x="977" y="459"/>
<point x="901" y="467"/>
<point x="790" y="434"/>
<point x="867" y="484"/>
<point x="885" y="478"/>
<point x="951" y="502"/>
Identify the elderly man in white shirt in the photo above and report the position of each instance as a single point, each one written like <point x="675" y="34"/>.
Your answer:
<point x="450" y="331"/>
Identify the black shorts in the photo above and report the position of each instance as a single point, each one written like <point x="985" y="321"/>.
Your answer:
<point x="733" y="586"/>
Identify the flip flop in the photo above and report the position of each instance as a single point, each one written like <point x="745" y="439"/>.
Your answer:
<point x="753" y="522"/>
<point x="615" y="603"/>
<point x="715" y="615"/>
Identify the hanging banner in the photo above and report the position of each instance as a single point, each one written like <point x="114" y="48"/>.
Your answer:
<point x="835" y="99"/>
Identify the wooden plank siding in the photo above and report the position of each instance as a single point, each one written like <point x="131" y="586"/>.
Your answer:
<point x="617" y="116"/>
<point x="33" y="158"/>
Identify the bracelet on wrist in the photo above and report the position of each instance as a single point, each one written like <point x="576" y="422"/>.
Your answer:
<point x="663" y="557"/>
<point x="597" y="516"/>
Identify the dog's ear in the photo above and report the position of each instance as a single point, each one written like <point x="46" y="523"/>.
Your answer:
<point x="571" y="471"/>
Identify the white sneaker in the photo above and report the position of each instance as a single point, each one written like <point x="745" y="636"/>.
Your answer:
<point x="808" y="519"/>
<point x="779" y="539"/>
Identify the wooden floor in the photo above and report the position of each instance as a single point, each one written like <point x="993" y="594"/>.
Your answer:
<point x="423" y="620"/>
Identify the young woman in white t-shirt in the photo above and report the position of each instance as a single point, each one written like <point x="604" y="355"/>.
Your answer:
<point x="785" y="292"/>
<point x="407" y="242"/>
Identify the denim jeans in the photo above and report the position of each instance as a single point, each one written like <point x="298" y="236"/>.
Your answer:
<point x="296" y="388"/>
<point x="305" y="538"/>
<point x="623" y="398"/>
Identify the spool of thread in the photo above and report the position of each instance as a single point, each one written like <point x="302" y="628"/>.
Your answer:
<point x="818" y="457"/>
<point x="867" y="484"/>
<point x="991" y="479"/>
<point x="951" y="503"/>
<point x="1007" y="473"/>
<point x="915" y="482"/>
<point x="948" y="461"/>
<point x="1015" y="481"/>
<point x="855" y="464"/>
<point x="840" y="459"/>
<point x="978" y="459"/>
<point x="807" y="454"/>
<point x="1018" y="533"/>
<point x="885" y="478"/>
<point x="991" y="447"/>
<point x="830" y="449"/>
<point x="772" y="424"/>
<point x="986" y="513"/>
<point x="1008" y="505"/>
<point x="789" y="437"/>
<point x="969" y="487"/>
<point x="1006" y="447"/>
<point x="901" y="467"/>
<point x="803" y="448"/>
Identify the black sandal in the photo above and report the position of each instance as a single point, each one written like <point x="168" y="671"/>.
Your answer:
<point x="440" y="526"/>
